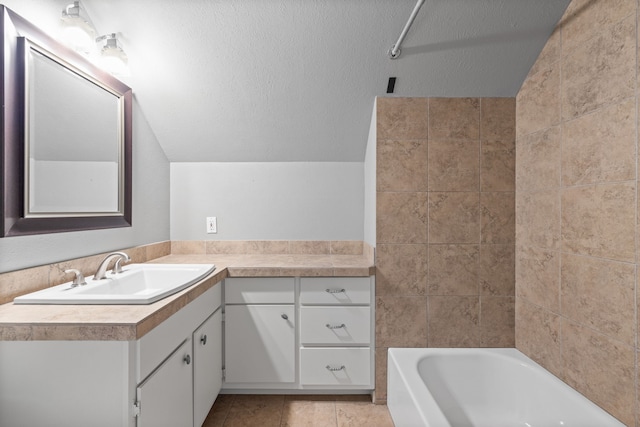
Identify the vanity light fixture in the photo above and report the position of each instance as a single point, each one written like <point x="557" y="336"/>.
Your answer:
<point x="113" y="59"/>
<point x="79" y="32"/>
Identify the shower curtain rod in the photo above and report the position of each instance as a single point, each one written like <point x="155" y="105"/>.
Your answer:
<point x="395" y="51"/>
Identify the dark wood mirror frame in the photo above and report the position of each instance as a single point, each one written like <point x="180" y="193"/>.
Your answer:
<point x="12" y="87"/>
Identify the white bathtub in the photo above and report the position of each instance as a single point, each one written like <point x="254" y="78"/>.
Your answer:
<point x="434" y="387"/>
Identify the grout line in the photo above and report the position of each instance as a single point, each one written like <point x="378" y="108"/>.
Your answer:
<point x="635" y="379"/>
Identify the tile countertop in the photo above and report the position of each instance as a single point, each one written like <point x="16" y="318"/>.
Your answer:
<point x="131" y="322"/>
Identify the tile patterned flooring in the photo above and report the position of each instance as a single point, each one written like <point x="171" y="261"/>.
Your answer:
<point x="297" y="411"/>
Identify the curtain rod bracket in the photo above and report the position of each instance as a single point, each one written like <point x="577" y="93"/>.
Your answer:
<point x="394" y="53"/>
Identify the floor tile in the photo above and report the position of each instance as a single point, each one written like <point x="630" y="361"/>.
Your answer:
<point x="297" y="411"/>
<point x="360" y="414"/>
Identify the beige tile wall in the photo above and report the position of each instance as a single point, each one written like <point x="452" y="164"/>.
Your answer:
<point x="576" y="205"/>
<point x="445" y="225"/>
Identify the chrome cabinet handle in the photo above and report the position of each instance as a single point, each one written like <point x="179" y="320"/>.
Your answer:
<point x="203" y="340"/>
<point x="333" y="369"/>
<point x="330" y="326"/>
<point x="335" y="291"/>
<point x="187" y="359"/>
<point x="284" y="316"/>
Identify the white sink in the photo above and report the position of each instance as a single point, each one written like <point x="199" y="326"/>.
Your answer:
<point x="137" y="284"/>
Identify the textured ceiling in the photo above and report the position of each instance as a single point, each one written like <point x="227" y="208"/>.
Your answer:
<point x="295" y="80"/>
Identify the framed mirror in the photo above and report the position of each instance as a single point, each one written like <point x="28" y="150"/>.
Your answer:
<point x="66" y="141"/>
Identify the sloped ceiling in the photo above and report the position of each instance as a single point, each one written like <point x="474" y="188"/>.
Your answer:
<point x="295" y="80"/>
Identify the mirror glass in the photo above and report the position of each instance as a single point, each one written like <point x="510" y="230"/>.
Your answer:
<point x="73" y="153"/>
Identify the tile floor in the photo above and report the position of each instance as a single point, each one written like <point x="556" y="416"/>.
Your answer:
<point x="297" y="411"/>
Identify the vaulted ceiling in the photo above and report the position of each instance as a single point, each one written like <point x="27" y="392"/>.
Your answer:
<point x="295" y="80"/>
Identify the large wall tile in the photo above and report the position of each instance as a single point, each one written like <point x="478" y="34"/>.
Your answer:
<point x="454" y="217"/>
<point x="454" y="321"/>
<point x="582" y="17"/>
<point x="401" y="118"/>
<point x="600" y="71"/>
<point x="454" y="118"/>
<point x="497" y="223"/>
<point x="538" y="102"/>
<point x="454" y="165"/>
<point x="600" y="146"/>
<point x="600" y="221"/>
<point x="401" y="165"/>
<point x="381" y="374"/>
<point x="600" y="294"/>
<point x="453" y="270"/>
<point x="498" y="119"/>
<point x="428" y="205"/>
<point x="497" y="165"/>
<point x="401" y="321"/>
<point x="401" y="218"/>
<point x="538" y="335"/>
<point x="497" y="322"/>
<point x="538" y="219"/>
<point x="600" y="368"/>
<point x="538" y="277"/>
<point x="497" y="270"/>
<point x="538" y="159"/>
<point x="401" y="270"/>
<point x="577" y="204"/>
<point x="550" y="53"/>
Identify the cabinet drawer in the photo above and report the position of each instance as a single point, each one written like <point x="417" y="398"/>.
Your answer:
<point x="335" y="325"/>
<point x="335" y="290"/>
<point x="262" y="290"/>
<point x="335" y="366"/>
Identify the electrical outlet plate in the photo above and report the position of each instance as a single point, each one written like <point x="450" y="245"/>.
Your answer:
<point x="212" y="224"/>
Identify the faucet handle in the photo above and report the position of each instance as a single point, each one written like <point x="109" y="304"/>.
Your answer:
<point x="117" y="267"/>
<point x="79" y="279"/>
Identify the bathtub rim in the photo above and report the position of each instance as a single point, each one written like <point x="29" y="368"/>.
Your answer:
<point x="423" y="401"/>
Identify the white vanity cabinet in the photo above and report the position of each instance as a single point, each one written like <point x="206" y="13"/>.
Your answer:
<point x="336" y="332"/>
<point x="180" y="390"/>
<point x="169" y="377"/>
<point x="294" y="334"/>
<point x="260" y="339"/>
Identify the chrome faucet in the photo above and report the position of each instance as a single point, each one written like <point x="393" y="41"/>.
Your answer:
<point x="117" y="268"/>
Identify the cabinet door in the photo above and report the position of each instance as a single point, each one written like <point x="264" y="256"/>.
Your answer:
<point x="260" y="344"/>
<point x="166" y="396"/>
<point x="207" y="366"/>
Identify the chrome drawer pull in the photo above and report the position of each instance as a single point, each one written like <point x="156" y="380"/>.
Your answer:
<point x="335" y="326"/>
<point x="335" y="369"/>
<point x="335" y="291"/>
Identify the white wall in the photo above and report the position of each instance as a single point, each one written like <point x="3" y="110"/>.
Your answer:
<point x="268" y="201"/>
<point x="150" y="213"/>
<point x="370" y="182"/>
